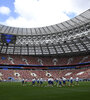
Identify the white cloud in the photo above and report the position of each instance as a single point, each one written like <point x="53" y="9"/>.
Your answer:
<point x="5" y="10"/>
<point x="34" y="13"/>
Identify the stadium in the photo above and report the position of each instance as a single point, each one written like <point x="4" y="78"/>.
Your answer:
<point x="60" y="50"/>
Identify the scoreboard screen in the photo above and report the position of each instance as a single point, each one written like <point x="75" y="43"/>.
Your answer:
<point x="6" y="38"/>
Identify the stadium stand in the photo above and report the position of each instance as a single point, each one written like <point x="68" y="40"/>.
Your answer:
<point x="29" y="74"/>
<point x="27" y="60"/>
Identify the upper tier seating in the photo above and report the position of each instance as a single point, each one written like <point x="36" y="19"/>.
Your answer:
<point x="17" y="59"/>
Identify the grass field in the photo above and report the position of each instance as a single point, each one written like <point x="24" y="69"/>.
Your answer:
<point x="15" y="91"/>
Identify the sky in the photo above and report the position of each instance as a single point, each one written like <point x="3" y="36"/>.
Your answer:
<point x="39" y="13"/>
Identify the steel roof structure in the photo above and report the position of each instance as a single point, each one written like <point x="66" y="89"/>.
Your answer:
<point x="71" y="36"/>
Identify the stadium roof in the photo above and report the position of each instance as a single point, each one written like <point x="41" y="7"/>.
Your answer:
<point x="75" y="22"/>
<point x="69" y="37"/>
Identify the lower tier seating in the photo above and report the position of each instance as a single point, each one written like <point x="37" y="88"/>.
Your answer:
<point x="29" y="74"/>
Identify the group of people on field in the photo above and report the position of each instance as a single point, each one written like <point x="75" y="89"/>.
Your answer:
<point x="59" y="82"/>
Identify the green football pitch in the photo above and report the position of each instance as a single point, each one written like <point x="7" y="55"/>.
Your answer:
<point x="15" y="91"/>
